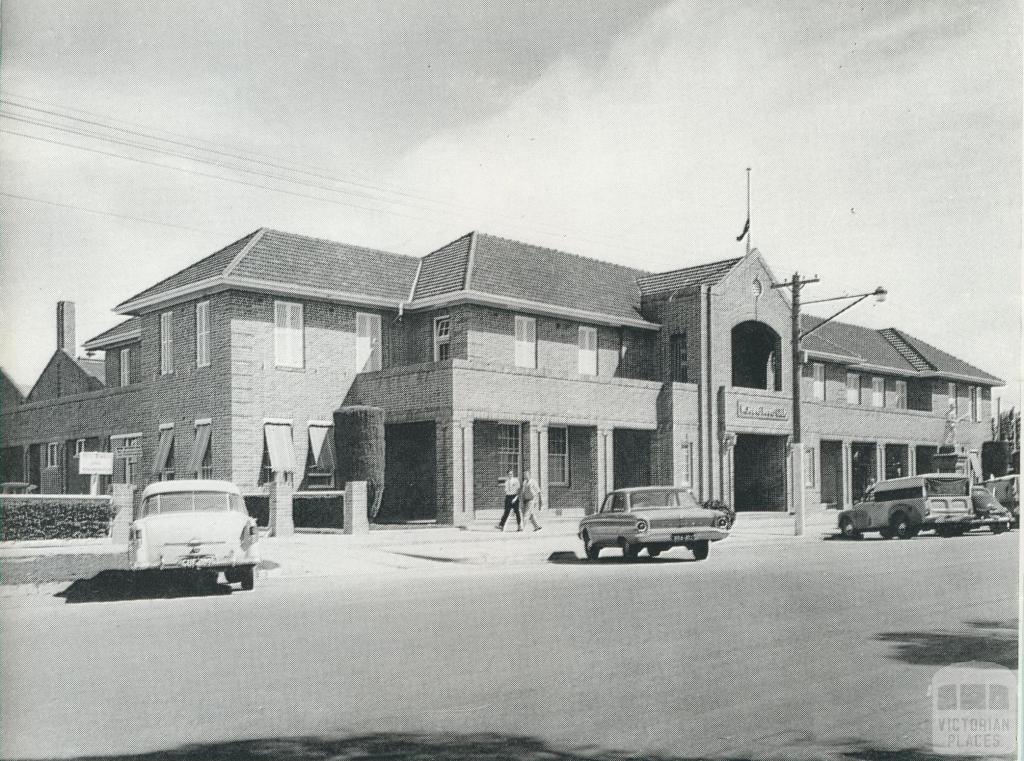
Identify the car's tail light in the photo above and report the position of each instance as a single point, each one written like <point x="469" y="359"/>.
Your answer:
<point x="641" y="526"/>
<point x="136" y="535"/>
<point x="722" y="521"/>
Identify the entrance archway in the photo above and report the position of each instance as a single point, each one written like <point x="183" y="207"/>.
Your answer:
<point x="756" y="356"/>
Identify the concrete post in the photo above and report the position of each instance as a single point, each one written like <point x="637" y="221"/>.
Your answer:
<point x="544" y="473"/>
<point x="122" y="501"/>
<point x="599" y="470"/>
<point x="458" y="477"/>
<point x="847" y="476"/>
<point x="356" y="520"/>
<point x="799" y="497"/>
<point x="281" y="521"/>
<point x="880" y="462"/>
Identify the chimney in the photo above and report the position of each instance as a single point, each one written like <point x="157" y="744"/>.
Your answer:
<point x="66" y="327"/>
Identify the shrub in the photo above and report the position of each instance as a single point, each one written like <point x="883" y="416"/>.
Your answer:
<point x="57" y="518"/>
<point x="722" y="507"/>
<point x="359" y="443"/>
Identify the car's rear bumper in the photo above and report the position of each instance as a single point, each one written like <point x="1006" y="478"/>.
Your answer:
<point x="202" y="559"/>
<point x="680" y="536"/>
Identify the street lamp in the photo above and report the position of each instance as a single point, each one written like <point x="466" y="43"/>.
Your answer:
<point x="795" y="284"/>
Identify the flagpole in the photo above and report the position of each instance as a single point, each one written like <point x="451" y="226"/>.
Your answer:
<point x="748" y="209"/>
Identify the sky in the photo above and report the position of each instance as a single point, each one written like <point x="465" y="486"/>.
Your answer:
<point x="884" y="141"/>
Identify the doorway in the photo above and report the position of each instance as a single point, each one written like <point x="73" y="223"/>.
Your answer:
<point x="832" y="473"/>
<point x="410" y="468"/>
<point x="864" y="469"/>
<point x="759" y="468"/>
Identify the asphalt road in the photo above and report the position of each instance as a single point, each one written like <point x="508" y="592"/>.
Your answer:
<point x="800" y="649"/>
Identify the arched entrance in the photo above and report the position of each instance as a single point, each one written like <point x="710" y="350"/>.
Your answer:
<point x="756" y="356"/>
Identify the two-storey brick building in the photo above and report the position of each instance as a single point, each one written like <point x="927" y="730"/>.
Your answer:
<point x="489" y="355"/>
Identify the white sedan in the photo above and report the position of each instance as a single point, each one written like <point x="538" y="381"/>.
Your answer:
<point x="200" y="526"/>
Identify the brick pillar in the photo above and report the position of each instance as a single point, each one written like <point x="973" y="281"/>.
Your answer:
<point x="281" y="522"/>
<point x="458" y="477"/>
<point x="122" y="501"/>
<point x="468" y="481"/>
<point x="847" y="475"/>
<point x="448" y="471"/>
<point x="356" y="519"/>
<point x="543" y="475"/>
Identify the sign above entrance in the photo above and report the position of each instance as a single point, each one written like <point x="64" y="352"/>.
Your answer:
<point x="96" y="463"/>
<point x="762" y="410"/>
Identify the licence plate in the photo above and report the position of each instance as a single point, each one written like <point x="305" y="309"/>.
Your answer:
<point x="682" y="537"/>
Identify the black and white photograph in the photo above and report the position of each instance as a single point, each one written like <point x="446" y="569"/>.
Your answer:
<point x="535" y="380"/>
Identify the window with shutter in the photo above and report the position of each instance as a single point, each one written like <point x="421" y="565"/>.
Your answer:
<point x="878" y="392"/>
<point x="167" y="343"/>
<point x="203" y="334"/>
<point x="819" y="381"/>
<point x="588" y="351"/>
<point x="852" y="388"/>
<point x="126" y="366"/>
<point x="289" y="341"/>
<point x="368" y="354"/>
<point x="526" y="342"/>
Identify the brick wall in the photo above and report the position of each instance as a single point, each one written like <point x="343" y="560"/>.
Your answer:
<point x="190" y="392"/>
<point x="62" y="377"/>
<point x="112" y="360"/>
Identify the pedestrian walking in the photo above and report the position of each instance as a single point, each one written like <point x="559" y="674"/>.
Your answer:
<point x="531" y="499"/>
<point x="512" y="487"/>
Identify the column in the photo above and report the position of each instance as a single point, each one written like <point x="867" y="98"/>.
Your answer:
<point x="880" y="462"/>
<point x="458" y="475"/>
<point x="544" y="474"/>
<point x="534" y="429"/>
<point x="281" y="522"/>
<point x="599" y="460"/>
<point x="606" y="459"/>
<point x="847" y="475"/>
<point x="911" y="460"/>
<point x="468" y="479"/>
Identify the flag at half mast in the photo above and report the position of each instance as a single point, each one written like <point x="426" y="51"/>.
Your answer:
<point x="746" y="229"/>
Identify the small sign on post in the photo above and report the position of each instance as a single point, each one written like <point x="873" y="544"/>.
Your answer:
<point x="95" y="464"/>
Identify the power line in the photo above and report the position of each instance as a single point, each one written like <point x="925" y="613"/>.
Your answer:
<point x="189" y="143"/>
<point x="106" y="213"/>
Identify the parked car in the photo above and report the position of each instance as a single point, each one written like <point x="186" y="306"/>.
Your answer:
<point x="655" y="518"/>
<point x="902" y="507"/>
<point x="1006" y="489"/>
<point x="198" y="526"/>
<point x="988" y="511"/>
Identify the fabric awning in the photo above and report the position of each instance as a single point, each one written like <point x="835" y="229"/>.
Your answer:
<point x="321" y="444"/>
<point x="163" y="450"/>
<point x="278" y="438"/>
<point x="202" y="444"/>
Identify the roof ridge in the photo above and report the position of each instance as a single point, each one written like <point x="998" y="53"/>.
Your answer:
<point x="733" y="259"/>
<point x="559" y="251"/>
<point x="256" y="238"/>
<point x="906" y="349"/>
<point x="333" y="242"/>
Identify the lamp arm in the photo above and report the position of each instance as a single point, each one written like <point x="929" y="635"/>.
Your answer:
<point x="851" y="305"/>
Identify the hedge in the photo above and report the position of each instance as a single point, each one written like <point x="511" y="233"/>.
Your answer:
<point x="40" y="518"/>
<point x="307" y="512"/>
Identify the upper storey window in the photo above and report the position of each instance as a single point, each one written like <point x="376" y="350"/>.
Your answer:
<point x="203" y="334"/>
<point x="588" y="351"/>
<point x="442" y="338"/>
<point x="167" y="343"/>
<point x="289" y="339"/>
<point x="526" y="342"/>
<point x="680" y="362"/>
<point x="367" y="342"/>
<point x="756" y="351"/>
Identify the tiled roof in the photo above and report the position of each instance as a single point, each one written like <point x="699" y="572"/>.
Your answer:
<point x="96" y="368"/>
<point x="512" y="269"/>
<point x="701" y="274"/>
<point x="121" y="331"/>
<point x="947" y="363"/>
<point x="444" y="270"/>
<point x="874" y="348"/>
<point x="279" y="257"/>
<point x="205" y="268"/>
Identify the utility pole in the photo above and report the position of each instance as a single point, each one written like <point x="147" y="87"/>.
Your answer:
<point x="795" y="284"/>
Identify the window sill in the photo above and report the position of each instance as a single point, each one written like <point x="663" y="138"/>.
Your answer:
<point x="286" y="369"/>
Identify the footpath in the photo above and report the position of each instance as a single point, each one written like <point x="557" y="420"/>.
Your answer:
<point x="47" y="567"/>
